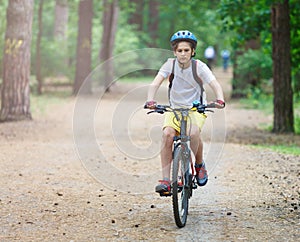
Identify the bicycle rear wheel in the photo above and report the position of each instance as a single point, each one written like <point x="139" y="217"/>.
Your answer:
<point x="180" y="189"/>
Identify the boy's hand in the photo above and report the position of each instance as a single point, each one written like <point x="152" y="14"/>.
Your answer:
<point x="219" y="104"/>
<point x="150" y="104"/>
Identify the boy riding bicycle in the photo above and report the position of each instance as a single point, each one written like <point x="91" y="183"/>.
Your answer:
<point x="186" y="77"/>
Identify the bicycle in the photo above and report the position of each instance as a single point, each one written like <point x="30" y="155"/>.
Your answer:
<point x="183" y="172"/>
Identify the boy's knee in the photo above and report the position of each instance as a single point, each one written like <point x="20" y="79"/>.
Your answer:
<point x="168" y="134"/>
<point x="195" y="133"/>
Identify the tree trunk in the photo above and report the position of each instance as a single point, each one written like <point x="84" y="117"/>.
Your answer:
<point x="136" y="18"/>
<point x="84" y="45"/>
<point x="283" y="94"/>
<point x="110" y="19"/>
<point x="38" y="49"/>
<point x="60" y="31"/>
<point x="61" y="19"/>
<point x="153" y="21"/>
<point x="15" y="99"/>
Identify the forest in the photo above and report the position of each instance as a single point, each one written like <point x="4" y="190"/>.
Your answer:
<point x="60" y="42"/>
<point x="80" y="158"/>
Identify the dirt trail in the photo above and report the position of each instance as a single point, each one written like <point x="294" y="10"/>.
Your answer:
<point x="49" y="194"/>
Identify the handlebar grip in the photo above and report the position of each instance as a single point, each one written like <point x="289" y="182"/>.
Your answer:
<point x="211" y="105"/>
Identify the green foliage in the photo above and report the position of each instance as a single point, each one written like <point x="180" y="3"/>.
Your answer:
<point x="70" y="51"/>
<point x="246" y="18"/>
<point x="200" y="17"/>
<point x="254" y="66"/>
<point x="257" y="99"/>
<point x="296" y="84"/>
<point x="129" y="79"/>
<point x="96" y="37"/>
<point x="53" y="59"/>
<point x="3" y="6"/>
<point x="254" y="74"/>
<point x="251" y="20"/>
<point x="53" y="53"/>
<point x="297" y="115"/>
<point x="41" y="103"/>
<point x="127" y="39"/>
<point x="297" y="124"/>
<point x="295" y="34"/>
<point x="58" y="57"/>
<point x="295" y="45"/>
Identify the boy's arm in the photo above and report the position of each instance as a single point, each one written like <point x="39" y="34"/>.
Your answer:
<point x="216" y="87"/>
<point x="153" y="89"/>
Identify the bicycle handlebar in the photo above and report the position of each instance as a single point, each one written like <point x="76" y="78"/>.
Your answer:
<point x="166" y="108"/>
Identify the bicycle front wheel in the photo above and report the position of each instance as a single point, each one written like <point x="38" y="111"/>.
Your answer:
<point x="180" y="188"/>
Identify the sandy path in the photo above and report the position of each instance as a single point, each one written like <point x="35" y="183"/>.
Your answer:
<point x="49" y="194"/>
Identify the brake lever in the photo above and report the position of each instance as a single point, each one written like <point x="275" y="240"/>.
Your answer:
<point x="156" y="111"/>
<point x="203" y="110"/>
<point x="151" y="112"/>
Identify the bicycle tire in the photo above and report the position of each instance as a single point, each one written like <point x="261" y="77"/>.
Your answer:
<point x="180" y="197"/>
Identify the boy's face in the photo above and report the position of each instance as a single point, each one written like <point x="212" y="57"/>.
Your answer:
<point x="184" y="52"/>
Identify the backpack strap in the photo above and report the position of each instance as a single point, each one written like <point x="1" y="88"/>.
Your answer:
<point x="171" y="77"/>
<point x="198" y="79"/>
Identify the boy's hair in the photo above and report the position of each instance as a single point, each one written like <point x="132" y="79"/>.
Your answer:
<point x="174" y="44"/>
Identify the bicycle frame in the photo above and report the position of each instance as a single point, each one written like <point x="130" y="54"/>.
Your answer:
<point x="183" y="171"/>
<point x="183" y="140"/>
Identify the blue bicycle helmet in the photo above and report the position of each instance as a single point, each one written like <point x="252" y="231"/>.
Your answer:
<point x="184" y="35"/>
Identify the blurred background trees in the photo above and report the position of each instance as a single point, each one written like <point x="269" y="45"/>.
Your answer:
<point x="264" y="43"/>
<point x="71" y="38"/>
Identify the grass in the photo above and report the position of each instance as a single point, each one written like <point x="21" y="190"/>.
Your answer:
<point x="146" y="79"/>
<point x="40" y="103"/>
<point x="54" y="96"/>
<point x="283" y="149"/>
<point x="264" y="103"/>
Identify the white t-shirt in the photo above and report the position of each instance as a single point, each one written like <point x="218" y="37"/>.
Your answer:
<point x="185" y="89"/>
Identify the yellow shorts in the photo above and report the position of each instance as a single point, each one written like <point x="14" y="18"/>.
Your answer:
<point x="195" y="118"/>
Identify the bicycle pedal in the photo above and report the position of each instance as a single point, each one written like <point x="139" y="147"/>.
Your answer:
<point x="165" y="194"/>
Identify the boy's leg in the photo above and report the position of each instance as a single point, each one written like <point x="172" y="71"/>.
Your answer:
<point x="166" y="151"/>
<point x="198" y="121"/>
<point x="196" y="144"/>
<point x="164" y="187"/>
<point x="197" y="148"/>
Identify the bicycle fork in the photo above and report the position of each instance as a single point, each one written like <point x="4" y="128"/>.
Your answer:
<point x="188" y="170"/>
<point x="192" y="184"/>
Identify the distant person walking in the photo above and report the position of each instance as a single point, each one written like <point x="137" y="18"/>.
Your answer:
<point x="209" y="55"/>
<point x="225" y="56"/>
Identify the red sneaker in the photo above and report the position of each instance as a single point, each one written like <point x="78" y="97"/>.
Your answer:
<point x="164" y="188"/>
<point x="201" y="174"/>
